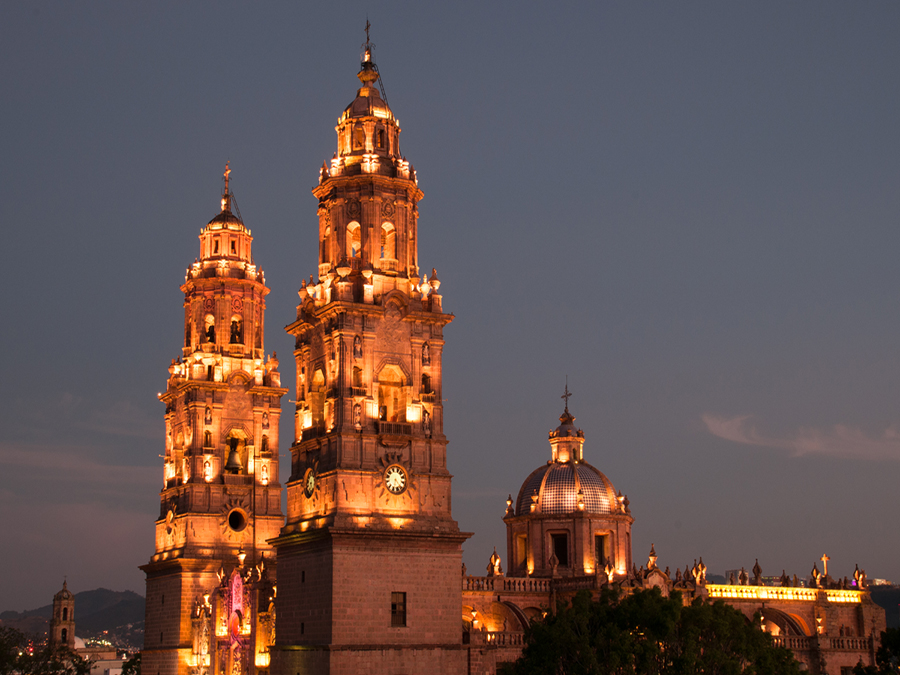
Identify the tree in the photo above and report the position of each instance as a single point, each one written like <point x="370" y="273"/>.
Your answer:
<point x="54" y="660"/>
<point x="12" y="642"/>
<point x="887" y="658"/>
<point x="132" y="666"/>
<point x="646" y="634"/>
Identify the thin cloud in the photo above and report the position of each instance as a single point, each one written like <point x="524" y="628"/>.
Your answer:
<point x="838" y="441"/>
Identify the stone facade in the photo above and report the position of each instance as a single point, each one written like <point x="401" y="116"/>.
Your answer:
<point x="369" y="487"/>
<point x="62" y="621"/>
<point x="221" y="498"/>
<point x="369" y="567"/>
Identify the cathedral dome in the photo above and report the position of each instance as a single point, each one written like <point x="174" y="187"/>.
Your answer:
<point x="560" y="488"/>
<point x="64" y="594"/>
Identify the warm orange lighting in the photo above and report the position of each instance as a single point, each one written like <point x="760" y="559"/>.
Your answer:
<point x="262" y="660"/>
<point x="398" y="523"/>
<point x="779" y="593"/>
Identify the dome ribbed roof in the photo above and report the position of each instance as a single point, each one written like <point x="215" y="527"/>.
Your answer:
<point x="557" y="484"/>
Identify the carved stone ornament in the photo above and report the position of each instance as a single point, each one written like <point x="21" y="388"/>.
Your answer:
<point x="209" y="304"/>
<point x="387" y="209"/>
<point x="237" y="305"/>
<point x="353" y="208"/>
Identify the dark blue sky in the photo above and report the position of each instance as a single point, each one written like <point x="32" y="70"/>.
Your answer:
<point x="689" y="208"/>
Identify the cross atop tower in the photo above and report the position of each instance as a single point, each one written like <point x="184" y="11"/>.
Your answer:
<point x="566" y="395"/>
<point x="825" y="560"/>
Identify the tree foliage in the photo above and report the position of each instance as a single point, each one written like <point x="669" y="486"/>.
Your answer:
<point x="887" y="658"/>
<point x="646" y="634"/>
<point x="132" y="666"/>
<point x="17" y="657"/>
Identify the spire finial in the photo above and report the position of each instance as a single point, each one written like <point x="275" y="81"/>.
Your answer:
<point x="567" y="394"/>
<point x="226" y="193"/>
<point x="367" y="47"/>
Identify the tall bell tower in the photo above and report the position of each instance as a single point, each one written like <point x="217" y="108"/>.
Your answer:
<point x="369" y="559"/>
<point x="221" y="499"/>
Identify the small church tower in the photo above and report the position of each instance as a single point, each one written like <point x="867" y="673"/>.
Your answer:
<point x="221" y="497"/>
<point x="370" y="557"/>
<point x="62" y="621"/>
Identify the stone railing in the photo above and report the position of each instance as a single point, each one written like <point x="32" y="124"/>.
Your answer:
<point x="358" y="391"/>
<point x="395" y="428"/>
<point x="853" y="644"/>
<point x="800" y="643"/>
<point x="506" y="584"/>
<point x="797" y="643"/>
<point x="312" y="432"/>
<point x="494" y="638"/>
<point x="427" y="396"/>
<point x="757" y="593"/>
<point x="387" y="264"/>
<point x="577" y="583"/>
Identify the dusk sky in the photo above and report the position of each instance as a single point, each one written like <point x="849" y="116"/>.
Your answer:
<point x="690" y="209"/>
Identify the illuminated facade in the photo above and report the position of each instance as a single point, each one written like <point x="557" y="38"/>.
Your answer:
<point x="369" y="558"/>
<point x="210" y="581"/>
<point x="569" y="530"/>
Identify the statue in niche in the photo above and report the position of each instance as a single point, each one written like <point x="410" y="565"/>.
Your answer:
<point x="426" y="355"/>
<point x="265" y="420"/>
<point x="357" y="416"/>
<point x="357" y="348"/>
<point x="426" y="423"/>
<point x="211" y="333"/>
<point x="207" y="416"/>
<point x="236" y="332"/>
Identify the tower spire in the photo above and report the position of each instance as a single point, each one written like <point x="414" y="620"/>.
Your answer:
<point x="566" y="395"/>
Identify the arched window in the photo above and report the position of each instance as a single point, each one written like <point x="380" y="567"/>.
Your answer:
<point x="317" y="397"/>
<point x="426" y="384"/>
<point x="353" y="240"/>
<point x="215" y="246"/>
<point x="391" y="395"/>
<point x="207" y="439"/>
<point x="233" y="247"/>
<point x="388" y="241"/>
<point x="379" y="139"/>
<point x="357" y="377"/>
<point x="237" y="331"/>
<point x="65" y="614"/>
<point x="64" y="634"/>
<point x="325" y="239"/>
<point x="210" y="329"/>
<point x="264" y="444"/>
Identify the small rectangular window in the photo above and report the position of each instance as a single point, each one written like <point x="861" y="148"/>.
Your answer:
<point x="561" y="548"/>
<point x="398" y="609"/>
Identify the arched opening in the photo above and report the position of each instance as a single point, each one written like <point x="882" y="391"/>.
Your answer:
<point x="317" y="398"/>
<point x="357" y="377"/>
<point x="776" y="622"/>
<point x="264" y="444"/>
<point x="325" y="239"/>
<point x="207" y="471"/>
<point x="237" y="330"/>
<point x="391" y="395"/>
<point x="65" y="634"/>
<point x="426" y="384"/>
<point x="353" y="240"/>
<point x="379" y="139"/>
<point x="236" y="461"/>
<point x="210" y="328"/>
<point x="65" y="614"/>
<point x="388" y="242"/>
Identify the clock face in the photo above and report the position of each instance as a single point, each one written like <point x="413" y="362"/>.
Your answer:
<point x="395" y="478"/>
<point x="309" y="482"/>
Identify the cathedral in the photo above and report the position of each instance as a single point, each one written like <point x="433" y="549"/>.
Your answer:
<point x="364" y="572"/>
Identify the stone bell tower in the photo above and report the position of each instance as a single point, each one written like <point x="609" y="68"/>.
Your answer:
<point x="369" y="559"/>
<point x="62" y="621"/>
<point x="221" y="499"/>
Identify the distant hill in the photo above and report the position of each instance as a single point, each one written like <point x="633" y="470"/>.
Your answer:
<point x="115" y="615"/>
